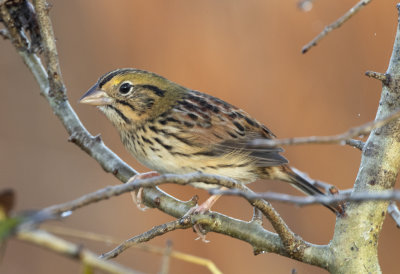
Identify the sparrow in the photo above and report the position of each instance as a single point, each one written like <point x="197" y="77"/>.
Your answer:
<point x="173" y="129"/>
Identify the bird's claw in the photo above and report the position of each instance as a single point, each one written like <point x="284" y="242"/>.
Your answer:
<point x="200" y="231"/>
<point x="137" y="196"/>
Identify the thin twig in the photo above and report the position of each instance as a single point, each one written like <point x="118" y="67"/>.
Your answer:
<point x="394" y="212"/>
<point x="110" y="191"/>
<point x="148" y="235"/>
<point x="383" y="77"/>
<point x="70" y="232"/>
<point x="339" y="22"/>
<point x="312" y="200"/>
<point x="257" y="216"/>
<point x="166" y="258"/>
<point x="49" y="241"/>
<point x="333" y="139"/>
<point x="355" y="143"/>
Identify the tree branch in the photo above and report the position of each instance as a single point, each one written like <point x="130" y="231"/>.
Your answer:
<point x="110" y="191"/>
<point x="293" y="242"/>
<point x="166" y="258"/>
<point x="355" y="143"/>
<point x="394" y="212"/>
<point x="383" y="77"/>
<point x="77" y="252"/>
<point x="339" y="22"/>
<point x="342" y="138"/>
<point x="57" y="89"/>
<point x="355" y="249"/>
<point x="147" y="236"/>
<point x="312" y="200"/>
<point x="70" y="232"/>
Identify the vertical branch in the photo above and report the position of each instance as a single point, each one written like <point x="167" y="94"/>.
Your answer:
<point x="57" y="87"/>
<point x="356" y="249"/>
<point x="166" y="258"/>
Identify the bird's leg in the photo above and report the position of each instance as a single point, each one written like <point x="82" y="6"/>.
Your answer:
<point x="204" y="207"/>
<point x="137" y="195"/>
<point x="201" y="209"/>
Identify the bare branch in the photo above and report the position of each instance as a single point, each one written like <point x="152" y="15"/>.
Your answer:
<point x="394" y="212"/>
<point x="294" y="244"/>
<point x="77" y="252"/>
<point x="379" y="167"/>
<point x="148" y="235"/>
<point x="110" y="191"/>
<point x="312" y="200"/>
<point x="257" y="216"/>
<point x="333" y="139"/>
<point x="355" y="143"/>
<point x="383" y="77"/>
<point x="57" y="87"/>
<point x="339" y="22"/>
<point x="288" y="237"/>
<point x="166" y="258"/>
<point x="145" y="247"/>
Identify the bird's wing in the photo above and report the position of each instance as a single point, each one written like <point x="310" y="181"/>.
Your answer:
<point x="214" y="128"/>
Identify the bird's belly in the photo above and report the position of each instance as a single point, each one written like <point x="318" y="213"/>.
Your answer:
<point x="164" y="162"/>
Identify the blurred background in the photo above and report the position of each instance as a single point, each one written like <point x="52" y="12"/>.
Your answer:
<point x="245" y="52"/>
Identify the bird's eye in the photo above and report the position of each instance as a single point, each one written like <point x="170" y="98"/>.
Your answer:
<point x="125" y="88"/>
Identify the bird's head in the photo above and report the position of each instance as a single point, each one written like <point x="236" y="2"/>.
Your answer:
<point x="131" y="96"/>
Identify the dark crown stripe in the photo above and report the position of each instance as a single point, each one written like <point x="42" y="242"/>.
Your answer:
<point x="107" y="77"/>
<point x="157" y="91"/>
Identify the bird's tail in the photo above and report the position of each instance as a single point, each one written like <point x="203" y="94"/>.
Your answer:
<point x="304" y="185"/>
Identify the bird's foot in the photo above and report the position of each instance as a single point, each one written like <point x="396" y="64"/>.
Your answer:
<point x="202" y="209"/>
<point x="200" y="231"/>
<point x="137" y="195"/>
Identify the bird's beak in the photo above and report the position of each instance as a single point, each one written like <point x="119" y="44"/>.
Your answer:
<point x="95" y="96"/>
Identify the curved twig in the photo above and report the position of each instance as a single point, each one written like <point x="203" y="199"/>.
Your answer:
<point x="339" y="22"/>
<point x="148" y="235"/>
